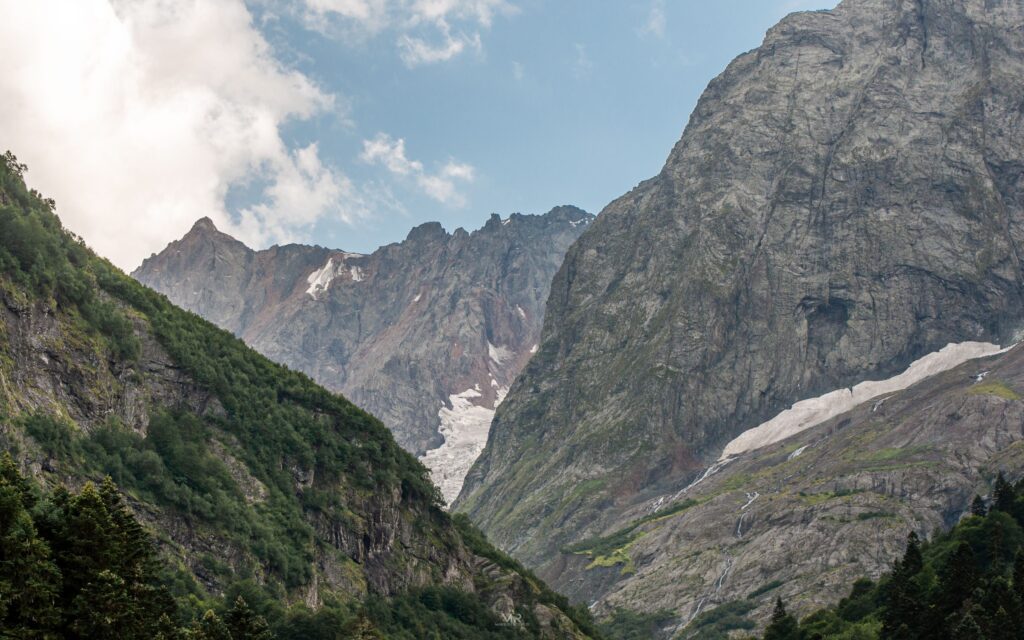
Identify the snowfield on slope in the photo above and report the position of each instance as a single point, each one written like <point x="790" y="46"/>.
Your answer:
<point x="813" y="411"/>
<point x="464" y="426"/>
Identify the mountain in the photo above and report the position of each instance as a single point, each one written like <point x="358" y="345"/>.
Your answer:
<point x="805" y="517"/>
<point x="845" y="199"/>
<point x="426" y="334"/>
<point x="250" y="477"/>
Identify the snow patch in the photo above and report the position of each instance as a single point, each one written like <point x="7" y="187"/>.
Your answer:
<point x="519" y="310"/>
<point x="417" y="298"/>
<point x="499" y="355"/>
<point x="465" y="426"/>
<point x="808" y="413"/>
<point x="710" y="471"/>
<point x="320" y="279"/>
<point x="796" y="454"/>
<point x="533" y="349"/>
<point x="576" y="223"/>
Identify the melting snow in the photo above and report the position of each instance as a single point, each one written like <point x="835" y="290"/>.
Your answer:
<point x="710" y="471"/>
<point x="797" y="453"/>
<point x="498" y="355"/>
<point x="464" y="426"/>
<point x="533" y="349"/>
<point x="807" y="413"/>
<point x="320" y="279"/>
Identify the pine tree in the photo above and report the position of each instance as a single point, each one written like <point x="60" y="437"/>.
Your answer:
<point x="978" y="507"/>
<point x="1003" y="495"/>
<point x="783" y="625"/>
<point x="968" y="629"/>
<point x="959" y="579"/>
<point x="905" y="604"/>
<point x="1018" y="574"/>
<point x="29" y="579"/>
<point x="211" y="627"/>
<point x="245" y="624"/>
<point x="10" y="476"/>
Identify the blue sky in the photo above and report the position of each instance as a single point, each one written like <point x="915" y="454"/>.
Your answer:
<point x="347" y="122"/>
<point x="567" y="102"/>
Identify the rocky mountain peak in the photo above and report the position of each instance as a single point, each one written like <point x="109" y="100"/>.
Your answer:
<point x="204" y="225"/>
<point x="845" y="199"/>
<point x="428" y="334"/>
<point x="426" y="232"/>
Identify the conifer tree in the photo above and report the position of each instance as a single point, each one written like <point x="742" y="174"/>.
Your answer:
<point x="1018" y="574"/>
<point x="783" y="625"/>
<point x="245" y="624"/>
<point x="29" y="580"/>
<point x="1003" y="495"/>
<point x="211" y="627"/>
<point x="968" y="629"/>
<point x="959" y="578"/>
<point x="978" y="507"/>
<point x="905" y="604"/>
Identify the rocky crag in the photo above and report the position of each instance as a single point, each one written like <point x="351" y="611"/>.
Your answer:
<point x="846" y="198"/>
<point x="426" y="334"/>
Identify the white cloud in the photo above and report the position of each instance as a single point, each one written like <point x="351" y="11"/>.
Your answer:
<point x="441" y="186"/>
<point x="427" y="31"/>
<point x="583" y="65"/>
<point x="416" y="51"/>
<point x="138" y="116"/>
<point x="655" y="24"/>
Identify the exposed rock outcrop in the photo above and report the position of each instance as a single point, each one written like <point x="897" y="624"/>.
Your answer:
<point x="845" y="198"/>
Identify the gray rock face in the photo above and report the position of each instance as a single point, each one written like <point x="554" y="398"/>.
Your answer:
<point x="845" y="198"/>
<point x="812" y="514"/>
<point x="398" y="331"/>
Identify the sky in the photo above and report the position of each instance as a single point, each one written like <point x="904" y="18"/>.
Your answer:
<point x="345" y="123"/>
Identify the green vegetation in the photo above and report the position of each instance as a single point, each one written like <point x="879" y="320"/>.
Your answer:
<point x="765" y="588"/>
<point x="612" y="545"/>
<point x="307" y="455"/>
<point x="722" y="622"/>
<point x="39" y="255"/>
<point x="624" y="624"/>
<point x="78" y="565"/>
<point x="478" y="544"/>
<point x="996" y="388"/>
<point x="967" y="583"/>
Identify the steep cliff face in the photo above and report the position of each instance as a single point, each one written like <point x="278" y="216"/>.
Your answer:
<point x="243" y="469"/>
<point x="845" y="198"/>
<point x="424" y="334"/>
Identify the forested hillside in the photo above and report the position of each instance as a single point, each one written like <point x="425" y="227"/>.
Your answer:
<point x="249" y="478"/>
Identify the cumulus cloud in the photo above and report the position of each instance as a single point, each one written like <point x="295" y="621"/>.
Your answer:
<point x="139" y="116"/>
<point x="427" y="31"/>
<point x="441" y="186"/>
